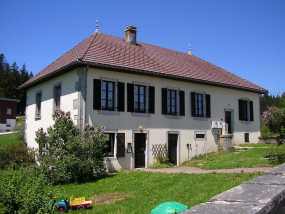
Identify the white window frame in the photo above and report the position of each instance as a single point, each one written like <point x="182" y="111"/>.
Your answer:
<point x="115" y="143"/>
<point x="177" y="116"/>
<point x="203" y="93"/>
<point x="200" y="132"/>
<point x="146" y="114"/>
<point x="115" y="112"/>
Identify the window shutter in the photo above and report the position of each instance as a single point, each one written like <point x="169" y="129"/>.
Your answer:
<point x="208" y="105"/>
<point x="163" y="100"/>
<point x="251" y="110"/>
<point x="97" y="94"/>
<point x="151" y="98"/>
<point x="240" y="109"/>
<point x="193" y="104"/>
<point x="130" y="91"/>
<point x="121" y="96"/>
<point x="182" y="103"/>
<point x="120" y="144"/>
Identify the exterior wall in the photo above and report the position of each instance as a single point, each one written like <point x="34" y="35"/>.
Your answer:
<point x="68" y="95"/>
<point x="156" y="126"/>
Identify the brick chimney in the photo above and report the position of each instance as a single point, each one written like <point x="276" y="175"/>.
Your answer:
<point x="131" y="35"/>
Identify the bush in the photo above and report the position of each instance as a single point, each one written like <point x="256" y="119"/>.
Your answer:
<point x="23" y="191"/>
<point x="20" y="131"/>
<point x="276" y="155"/>
<point x="66" y="155"/>
<point x="162" y="160"/>
<point x="16" y="156"/>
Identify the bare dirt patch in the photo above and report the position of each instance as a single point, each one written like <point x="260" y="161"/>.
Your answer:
<point x="109" y="198"/>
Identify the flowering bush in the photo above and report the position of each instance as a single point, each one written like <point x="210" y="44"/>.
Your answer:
<point x="274" y="119"/>
<point x="66" y="155"/>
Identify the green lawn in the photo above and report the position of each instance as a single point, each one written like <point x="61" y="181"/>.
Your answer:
<point x="9" y="139"/>
<point x="140" y="192"/>
<point x="227" y="160"/>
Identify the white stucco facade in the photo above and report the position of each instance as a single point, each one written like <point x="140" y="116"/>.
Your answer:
<point x="157" y="128"/>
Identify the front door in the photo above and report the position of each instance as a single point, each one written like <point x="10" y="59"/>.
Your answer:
<point x="228" y="117"/>
<point x="139" y="150"/>
<point x="172" y="148"/>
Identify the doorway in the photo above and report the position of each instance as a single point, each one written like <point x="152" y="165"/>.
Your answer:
<point x="140" y="146"/>
<point x="228" y="120"/>
<point x="172" y="148"/>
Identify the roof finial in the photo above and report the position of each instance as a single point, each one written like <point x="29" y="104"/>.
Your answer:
<point x="97" y="27"/>
<point x="189" y="50"/>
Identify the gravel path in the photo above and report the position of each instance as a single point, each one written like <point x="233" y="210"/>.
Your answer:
<point x="195" y="170"/>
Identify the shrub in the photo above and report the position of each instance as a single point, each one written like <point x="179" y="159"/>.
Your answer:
<point x="162" y="161"/>
<point x="16" y="155"/>
<point x="66" y="155"/>
<point x="23" y="191"/>
<point x="276" y="155"/>
<point x="20" y="131"/>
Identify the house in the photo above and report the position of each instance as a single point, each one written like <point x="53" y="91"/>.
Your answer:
<point x="8" y="113"/>
<point x="148" y="97"/>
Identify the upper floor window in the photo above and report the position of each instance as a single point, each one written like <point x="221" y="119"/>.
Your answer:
<point x="108" y="95"/>
<point x="57" y="95"/>
<point x="38" y="104"/>
<point x="200" y="104"/>
<point x="245" y="110"/>
<point x="107" y="99"/>
<point x="140" y="98"/>
<point x="173" y="102"/>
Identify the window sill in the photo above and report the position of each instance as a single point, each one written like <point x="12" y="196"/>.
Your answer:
<point x="246" y="122"/>
<point x="140" y="114"/>
<point x="201" y="118"/>
<point x="38" y="117"/>
<point x="173" y="116"/>
<point x="108" y="112"/>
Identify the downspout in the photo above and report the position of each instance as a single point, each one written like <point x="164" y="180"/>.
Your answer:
<point x="85" y="95"/>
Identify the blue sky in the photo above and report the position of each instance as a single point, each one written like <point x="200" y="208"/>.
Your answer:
<point x="245" y="37"/>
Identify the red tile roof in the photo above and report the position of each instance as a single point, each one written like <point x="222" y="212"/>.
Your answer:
<point x="101" y="49"/>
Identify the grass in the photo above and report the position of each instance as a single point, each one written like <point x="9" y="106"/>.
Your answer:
<point x="249" y="158"/>
<point x="9" y="139"/>
<point x="140" y="192"/>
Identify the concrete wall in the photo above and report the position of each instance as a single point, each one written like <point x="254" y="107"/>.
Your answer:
<point x="155" y="126"/>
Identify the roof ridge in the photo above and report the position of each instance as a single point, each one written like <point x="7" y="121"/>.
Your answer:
<point x="88" y="46"/>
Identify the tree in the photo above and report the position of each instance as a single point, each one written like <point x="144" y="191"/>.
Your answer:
<point x="274" y="119"/>
<point x="10" y="79"/>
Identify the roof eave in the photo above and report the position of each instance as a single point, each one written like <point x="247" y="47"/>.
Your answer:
<point x="131" y="70"/>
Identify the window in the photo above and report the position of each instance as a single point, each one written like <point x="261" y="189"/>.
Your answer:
<point x="38" y="104"/>
<point x="111" y="143"/>
<point x="116" y="145"/>
<point x="108" y="95"/>
<point x="173" y="102"/>
<point x="57" y="94"/>
<point x="9" y="111"/>
<point x="107" y="99"/>
<point x="200" y="136"/>
<point x="45" y="149"/>
<point x="140" y="98"/>
<point x="245" y="110"/>
<point x="201" y="104"/>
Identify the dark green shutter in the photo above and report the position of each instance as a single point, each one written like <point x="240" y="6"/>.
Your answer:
<point x="130" y="91"/>
<point x="120" y="144"/>
<point x="208" y="105"/>
<point x="251" y="110"/>
<point x="182" y="103"/>
<point x="193" y="104"/>
<point x="164" y="101"/>
<point x="151" y="97"/>
<point x="240" y="109"/>
<point x="121" y="96"/>
<point x="97" y="94"/>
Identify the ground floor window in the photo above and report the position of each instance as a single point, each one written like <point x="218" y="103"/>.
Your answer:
<point x="110" y="144"/>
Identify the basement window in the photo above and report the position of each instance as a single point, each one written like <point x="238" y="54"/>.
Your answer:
<point x="200" y="136"/>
